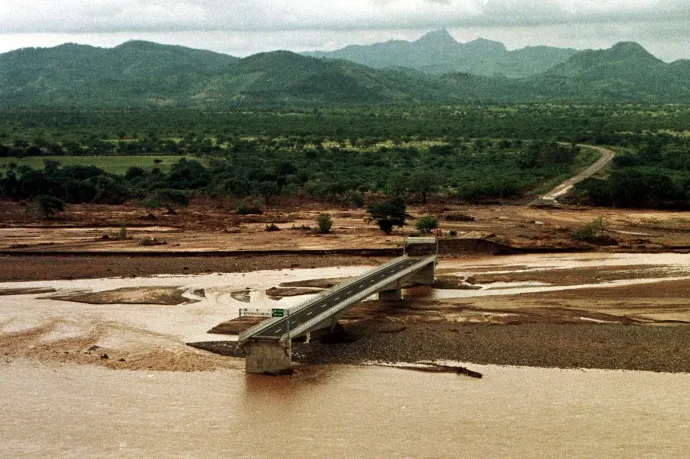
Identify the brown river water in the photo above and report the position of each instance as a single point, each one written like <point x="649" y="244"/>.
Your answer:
<point x="51" y="409"/>
<point x="82" y="411"/>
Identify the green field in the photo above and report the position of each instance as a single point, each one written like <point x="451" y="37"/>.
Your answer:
<point x="112" y="164"/>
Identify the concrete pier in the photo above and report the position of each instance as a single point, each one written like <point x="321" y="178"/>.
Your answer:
<point x="268" y="357"/>
<point x="391" y="295"/>
<point x="425" y="276"/>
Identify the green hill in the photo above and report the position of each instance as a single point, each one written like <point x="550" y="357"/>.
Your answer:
<point x="135" y="72"/>
<point x="141" y="74"/>
<point x="625" y="72"/>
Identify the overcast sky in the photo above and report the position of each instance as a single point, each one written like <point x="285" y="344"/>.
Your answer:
<point x="244" y="27"/>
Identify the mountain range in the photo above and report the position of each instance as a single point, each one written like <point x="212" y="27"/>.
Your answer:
<point x="438" y="52"/>
<point x="141" y="74"/>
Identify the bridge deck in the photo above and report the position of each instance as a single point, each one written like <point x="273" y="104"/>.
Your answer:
<point x="307" y="316"/>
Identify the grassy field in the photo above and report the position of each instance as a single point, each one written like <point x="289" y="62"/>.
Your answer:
<point x="112" y="164"/>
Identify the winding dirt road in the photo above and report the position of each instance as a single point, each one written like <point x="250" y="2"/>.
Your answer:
<point x="552" y="196"/>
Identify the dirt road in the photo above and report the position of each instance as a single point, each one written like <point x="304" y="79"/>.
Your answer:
<point x="563" y="188"/>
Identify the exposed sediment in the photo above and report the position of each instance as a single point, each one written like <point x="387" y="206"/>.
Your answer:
<point x="644" y="348"/>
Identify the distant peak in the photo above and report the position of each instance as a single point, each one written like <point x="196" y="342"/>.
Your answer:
<point x="437" y="37"/>
<point x="482" y="44"/>
<point x="135" y="43"/>
<point x="628" y="46"/>
<point x="631" y="49"/>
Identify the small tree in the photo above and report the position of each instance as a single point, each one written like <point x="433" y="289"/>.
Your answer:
<point x="388" y="214"/>
<point x="45" y="205"/>
<point x="324" y="223"/>
<point x="426" y="224"/>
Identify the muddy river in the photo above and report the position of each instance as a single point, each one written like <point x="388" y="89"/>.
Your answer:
<point x="82" y="411"/>
<point x="58" y="403"/>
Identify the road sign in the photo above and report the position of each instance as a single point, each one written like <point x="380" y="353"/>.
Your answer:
<point x="277" y="312"/>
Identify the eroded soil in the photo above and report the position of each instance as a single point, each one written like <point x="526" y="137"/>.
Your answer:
<point x="210" y="226"/>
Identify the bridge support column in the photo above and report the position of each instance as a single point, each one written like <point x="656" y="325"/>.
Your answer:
<point x="425" y="276"/>
<point x="267" y="357"/>
<point x="391" y="295"/>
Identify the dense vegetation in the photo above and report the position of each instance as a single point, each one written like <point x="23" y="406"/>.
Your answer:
<point x="470" y="153"/>
<point x="656" y="174"/>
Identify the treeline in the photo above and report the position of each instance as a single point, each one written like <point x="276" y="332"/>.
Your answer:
<point x="657" y="175"/>
<point x="470" y="170"/>
<point x="602" y="125"/>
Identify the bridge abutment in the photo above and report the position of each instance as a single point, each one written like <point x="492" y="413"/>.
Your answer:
<point x="267" y="357"/>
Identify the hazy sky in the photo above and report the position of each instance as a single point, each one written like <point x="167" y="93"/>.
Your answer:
<point x="243" y="27"/>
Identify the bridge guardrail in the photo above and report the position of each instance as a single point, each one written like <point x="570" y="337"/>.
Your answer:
<point x="364" y="294"/>
<point x="245" y="335"/>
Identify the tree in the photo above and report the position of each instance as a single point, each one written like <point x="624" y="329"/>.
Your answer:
<point x="423" y="182"/>
<point x="388" y="214"/>
<point x="268" y="190"/>
<point x="45" y="205"/>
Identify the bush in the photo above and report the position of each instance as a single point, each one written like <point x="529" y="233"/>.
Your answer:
<point x="591" y="231"/>
<point x="165" y="197"/>
<point x="272" y="227"/>
<point x="45" y="205"/>
<point x="426" y="224"/>
<point x="324" y="223"/>
<point x="122" y="234"/>
<point x="244" y="208"/>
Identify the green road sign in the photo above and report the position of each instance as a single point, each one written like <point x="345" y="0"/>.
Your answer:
<point x="277" y="312"/>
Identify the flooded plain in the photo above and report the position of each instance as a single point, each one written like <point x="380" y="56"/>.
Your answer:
<point x="117" y="380"/>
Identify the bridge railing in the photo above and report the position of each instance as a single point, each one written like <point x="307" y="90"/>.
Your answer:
<point x="270" y="322"/>
<point x="306" y="326"/>
<point x="346" y="283"/>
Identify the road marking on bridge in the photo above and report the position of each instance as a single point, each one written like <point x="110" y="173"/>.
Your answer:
<point x="321" y="306"/>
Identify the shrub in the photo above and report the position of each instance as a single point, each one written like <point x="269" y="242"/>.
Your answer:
<point x="244" y="208"/>
<point x="272" y="227"/>
<point x="166" y="197"/>
<point x="122" y="234"/>
<point x="426" y="224"/>
<point x="592" y="232"/>
<point x="324" y="223"/>
<point x="45" y="205"/>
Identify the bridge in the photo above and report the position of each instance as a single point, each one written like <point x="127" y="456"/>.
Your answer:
<point x="268" y="345"/>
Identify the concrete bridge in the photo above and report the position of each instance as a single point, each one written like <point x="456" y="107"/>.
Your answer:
<point x="269" y="344"/>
